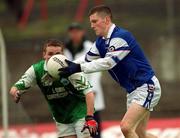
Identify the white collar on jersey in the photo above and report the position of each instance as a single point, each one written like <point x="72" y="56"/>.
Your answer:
<point x="110" y="31"/>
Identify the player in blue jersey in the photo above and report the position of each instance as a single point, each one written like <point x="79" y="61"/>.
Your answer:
<point x="117" y="51"/>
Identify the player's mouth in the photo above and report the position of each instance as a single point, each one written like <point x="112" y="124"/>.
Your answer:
<point x="96" y="30"/>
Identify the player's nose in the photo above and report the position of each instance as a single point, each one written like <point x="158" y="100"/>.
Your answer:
<point x="92" y="25"/>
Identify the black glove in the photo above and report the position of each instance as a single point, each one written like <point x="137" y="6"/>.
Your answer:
<point x="91" y="125"/>
<point x="70" y="69"/>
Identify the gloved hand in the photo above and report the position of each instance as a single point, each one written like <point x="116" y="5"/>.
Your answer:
<point x="91" y="125"/>
<point x="70" y="69"/>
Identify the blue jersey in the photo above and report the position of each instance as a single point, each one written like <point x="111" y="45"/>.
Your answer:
<point x="129" y="66"/>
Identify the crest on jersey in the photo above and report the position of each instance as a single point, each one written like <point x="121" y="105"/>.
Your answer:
<point x="46" y="80"/>
<point x="151" y="88"/>
<point x="111" y="48"/>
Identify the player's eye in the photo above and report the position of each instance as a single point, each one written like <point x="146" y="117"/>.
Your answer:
<point x="58" y="53"/>
<point x="94" y="21"/>
<point x="50" y="54"/>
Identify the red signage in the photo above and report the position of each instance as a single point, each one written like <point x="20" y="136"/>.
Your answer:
<point x="163" y="128"/>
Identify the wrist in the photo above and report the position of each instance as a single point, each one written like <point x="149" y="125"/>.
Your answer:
<point x="82" y="67"/>
<point x="89" y="117"/>
<point x="79" y="67"/>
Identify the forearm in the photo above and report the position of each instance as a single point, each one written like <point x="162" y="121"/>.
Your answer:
<point x="90" y="103"/>
<point x="90" y="122"/>
<point x="100" y="64"/>
<point x="27" y="80"/>
<point x="80" y="60"/>
<point x="24" y="83"/>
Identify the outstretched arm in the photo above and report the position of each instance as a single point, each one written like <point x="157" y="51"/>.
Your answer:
<point x="25" y="82"/>
<point x="117" y="51"/>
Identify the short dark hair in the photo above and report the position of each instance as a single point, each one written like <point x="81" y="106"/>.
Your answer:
<point x="52" y="42"/>
<point x="102" y="9"/>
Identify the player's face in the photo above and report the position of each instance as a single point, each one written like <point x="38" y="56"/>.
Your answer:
<point x="98" y="24"/>
<point x="50" y="51"/>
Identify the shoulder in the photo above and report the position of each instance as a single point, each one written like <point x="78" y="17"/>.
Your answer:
<point x="39" y="65"/>
<point x="122" y="34"/>
<point x="118" y="31"/>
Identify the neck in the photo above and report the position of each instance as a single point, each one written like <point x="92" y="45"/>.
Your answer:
<point x="107" y="30"/>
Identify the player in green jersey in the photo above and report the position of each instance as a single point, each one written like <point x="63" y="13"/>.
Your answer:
<point x="70" y="100"/>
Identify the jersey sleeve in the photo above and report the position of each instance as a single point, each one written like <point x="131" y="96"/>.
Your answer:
<point x="92" y="54"/>
<point x="80" y="82"/>
<point x="118" y="49"/>
<point x="80" y="60"/>
<point x="27" y="80"/>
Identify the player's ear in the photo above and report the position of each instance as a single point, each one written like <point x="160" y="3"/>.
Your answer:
<point x="62" y="51"/>
<point x="107" y="19"/>
<point x="44" y="51"/>
<point x="44" y="54"/>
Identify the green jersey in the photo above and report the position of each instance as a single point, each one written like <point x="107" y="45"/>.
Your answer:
<point x="65" y="97"/>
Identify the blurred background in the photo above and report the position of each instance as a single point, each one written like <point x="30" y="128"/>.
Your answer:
<point x="26" y="24"/>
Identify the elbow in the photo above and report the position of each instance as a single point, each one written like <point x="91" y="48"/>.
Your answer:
<point x="110" y="64"/>
<point x="90" y="95"/>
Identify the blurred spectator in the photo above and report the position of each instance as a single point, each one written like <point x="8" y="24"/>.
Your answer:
<point x="16" y="6"/>
<point x="76" y="46"/>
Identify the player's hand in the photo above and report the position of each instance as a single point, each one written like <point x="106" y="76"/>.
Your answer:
<point x="71" y="69"/>
<point x="91" y="125"/>
<point x="16" y="94"/>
